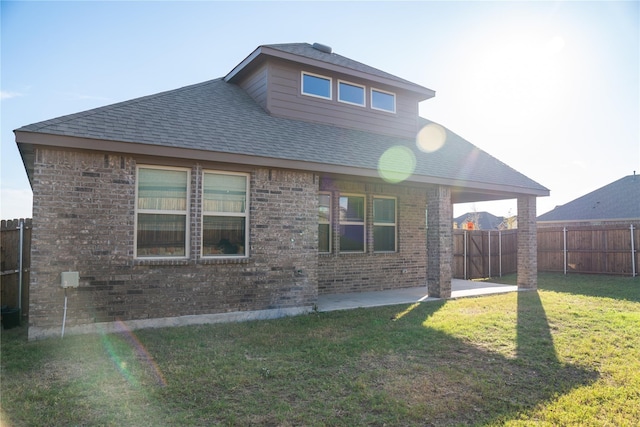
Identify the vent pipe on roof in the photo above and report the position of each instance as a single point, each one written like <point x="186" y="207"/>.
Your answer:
<point x="322" y="47"/>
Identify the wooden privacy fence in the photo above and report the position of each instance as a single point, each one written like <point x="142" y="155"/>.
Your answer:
<point x="15" y="260"/>
<point x="600" y="249"/>
<point x="480" y="254"/>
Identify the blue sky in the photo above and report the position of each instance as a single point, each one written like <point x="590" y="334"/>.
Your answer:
<point x="550" y="88"/>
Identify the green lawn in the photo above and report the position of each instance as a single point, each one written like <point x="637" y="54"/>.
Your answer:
<point x="568" y="354"/>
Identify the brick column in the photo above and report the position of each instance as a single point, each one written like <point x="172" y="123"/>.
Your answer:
<point x="527" y="243"/>
<point x="439" y="241"/>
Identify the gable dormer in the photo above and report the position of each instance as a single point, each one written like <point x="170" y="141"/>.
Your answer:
<point x="311" y="83"/>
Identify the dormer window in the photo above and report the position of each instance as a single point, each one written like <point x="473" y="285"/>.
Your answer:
<point x="319" y="86"/>
<point x="351" y="93"/>
<point x="382" y="100"/>
<point x="316" y="85"/>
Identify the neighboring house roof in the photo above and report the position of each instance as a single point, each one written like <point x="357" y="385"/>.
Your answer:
<point x="219" y="121"/>
<point x="485" y="220"/>
<point x="615" y="201"/>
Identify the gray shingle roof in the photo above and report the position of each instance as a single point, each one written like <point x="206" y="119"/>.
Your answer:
<point x="216" y="116"/>
<point x="618" y="200"/>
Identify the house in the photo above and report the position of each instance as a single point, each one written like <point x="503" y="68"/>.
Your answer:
<point x="247" y="196"/>
<point x="617" y="203"/>
<point x="480" y="221"/>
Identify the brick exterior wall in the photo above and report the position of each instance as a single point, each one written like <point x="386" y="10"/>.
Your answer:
<point x="527" y="243"/>
<point x="355" y="272"/>
<point x="84" y="220"/>
<point x="439" y="241"/>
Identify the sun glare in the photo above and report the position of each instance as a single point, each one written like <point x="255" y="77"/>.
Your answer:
<point x="431" y="138"/>
<point x="396" y="164"/>
<point x="555" y="45"/>
<point x="519" y="79"/>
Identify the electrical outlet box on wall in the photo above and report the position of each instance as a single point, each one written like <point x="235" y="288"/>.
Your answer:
<point x="69" y="279"/>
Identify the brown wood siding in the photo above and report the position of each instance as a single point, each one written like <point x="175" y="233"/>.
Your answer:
<point x="256" y="86"/>
<point x="285" y="100"/>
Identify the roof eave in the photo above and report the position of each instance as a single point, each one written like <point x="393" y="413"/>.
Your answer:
<point x="242" y="65"/>
<point x="461" y="190"/>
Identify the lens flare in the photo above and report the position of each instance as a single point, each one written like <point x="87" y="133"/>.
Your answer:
<point x="396" y="164"/>
<point x="141" y="352"/>
<point x="431" y="138"/>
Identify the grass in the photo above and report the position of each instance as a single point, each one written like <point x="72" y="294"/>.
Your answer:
<point x="568" y="354"/>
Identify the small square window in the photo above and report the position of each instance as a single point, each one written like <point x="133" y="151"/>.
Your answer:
<point x="350" y="93"/>
<point x="314" y="85"/>
<point x="384" y="101"/>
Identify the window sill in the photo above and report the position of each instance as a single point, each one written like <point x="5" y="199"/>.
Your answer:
<point x="215" y="261"/>
<point x="162" y="261"/>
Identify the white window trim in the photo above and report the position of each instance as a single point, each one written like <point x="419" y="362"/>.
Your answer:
<point x="303" y="73"/>
<point x="187" y="240"/>
<point x="363" y="223"/>
<point x="244" y="215"/>
<point x="364" y="93"/>
<point x="388" y="93"/>
<point x="385" y="224"/>
<point x="329" y="222"/>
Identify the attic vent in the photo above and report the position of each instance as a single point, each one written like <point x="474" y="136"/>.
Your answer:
<point x="322" y="47"/>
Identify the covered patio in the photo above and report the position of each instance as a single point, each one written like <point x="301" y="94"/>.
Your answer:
<point x="459" y="288"/>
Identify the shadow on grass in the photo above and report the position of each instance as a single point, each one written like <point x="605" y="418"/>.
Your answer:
<point x="454" y="381"/>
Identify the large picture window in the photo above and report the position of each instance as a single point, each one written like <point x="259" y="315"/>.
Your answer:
<point x="384" y="224"/>
<point x="315" y="85"/>
<point x="161" y="212"/>
<point x="324" y="223"/>
<point x="224" y="214"/>
<point x="352" y="223"/>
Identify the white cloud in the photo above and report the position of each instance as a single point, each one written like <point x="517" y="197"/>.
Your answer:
<point x="8" y="95"/>
<point x="15" y="204"/>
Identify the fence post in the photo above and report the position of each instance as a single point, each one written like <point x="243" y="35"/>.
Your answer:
<point x="564" y="249"/>
<point x="489" y="235"/>
<point x="633" y="254"/>
<point x="21" y="249"/>
<point x="465" y="254"/>
<point x="500" y="252"/>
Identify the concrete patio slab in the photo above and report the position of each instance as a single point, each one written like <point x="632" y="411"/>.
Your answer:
<point x="459" y="289"/>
